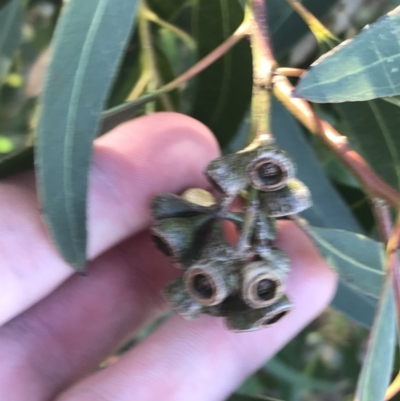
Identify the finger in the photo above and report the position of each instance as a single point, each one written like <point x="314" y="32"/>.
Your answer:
<point x="201" y="360"/>
<point x="65" y="336"/>
<point x="165" y="152"/>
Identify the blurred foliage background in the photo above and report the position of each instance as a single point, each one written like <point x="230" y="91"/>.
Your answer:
<point x="323" y="362"/>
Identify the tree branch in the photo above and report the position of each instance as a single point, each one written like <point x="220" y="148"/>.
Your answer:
<point x="301" y="109"/>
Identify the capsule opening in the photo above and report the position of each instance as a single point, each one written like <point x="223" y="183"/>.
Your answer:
<point x="266" y="289"/>
<point x="203" y="286"/>
<point x="270" y="174"/>
<point x="162" y="245"/>
<point x="275" y="318"/>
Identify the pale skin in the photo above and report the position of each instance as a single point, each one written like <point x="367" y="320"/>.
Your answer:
<point x="57" y="327"/>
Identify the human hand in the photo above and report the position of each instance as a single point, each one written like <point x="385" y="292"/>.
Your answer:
<point x="59" y="326"/>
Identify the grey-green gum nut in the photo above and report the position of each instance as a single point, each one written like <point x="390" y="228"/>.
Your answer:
<point x="292" y="199"/>
<point x="210" y="282"/>
<point x="177" y="237"/>
<point x="255" y="319"/>
<point x="177" y="296"/>
<point x="228" y="173"/>
<point x="261" y="283"/>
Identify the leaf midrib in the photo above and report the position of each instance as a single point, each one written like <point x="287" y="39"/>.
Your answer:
<point x="342" y="256"/>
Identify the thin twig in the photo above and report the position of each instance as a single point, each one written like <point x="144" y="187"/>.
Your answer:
<point x="218" y="52"/>
<point x="321" y="33"/>
<point x="153" y="17"/>
<point x="383" y="220"/>
<point x="126" y="109"/>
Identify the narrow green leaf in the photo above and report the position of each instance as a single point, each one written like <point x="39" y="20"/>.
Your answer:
<point x="373" y="131"/>
<point x="11" y="17"/>
<point x="357" y="259"/>
<point x="364" y="68"/>
<point x="222" y="91"/>
<point x="328" y="210"/>
<point x="286" y="26"/>
<point x="87" y="47"/>
<point x="355" y="305"/>
<point x="378" y="362"/>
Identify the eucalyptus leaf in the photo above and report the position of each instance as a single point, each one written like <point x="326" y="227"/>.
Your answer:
<point x="359" y="307"/>
<point x="377" y="368"/>
<point x="222" y="91"/>
<point x="357" y="259"/>
<point x="11" y="18"/>
<point x="372" y="128"/>
<point x="364" y="68"/>
<point x="88" y="44"/>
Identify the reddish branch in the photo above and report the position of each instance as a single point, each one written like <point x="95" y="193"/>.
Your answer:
<point x="372" y="183"/>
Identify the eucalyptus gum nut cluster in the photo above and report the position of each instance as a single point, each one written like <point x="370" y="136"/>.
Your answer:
<point x="242" y="282"/>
